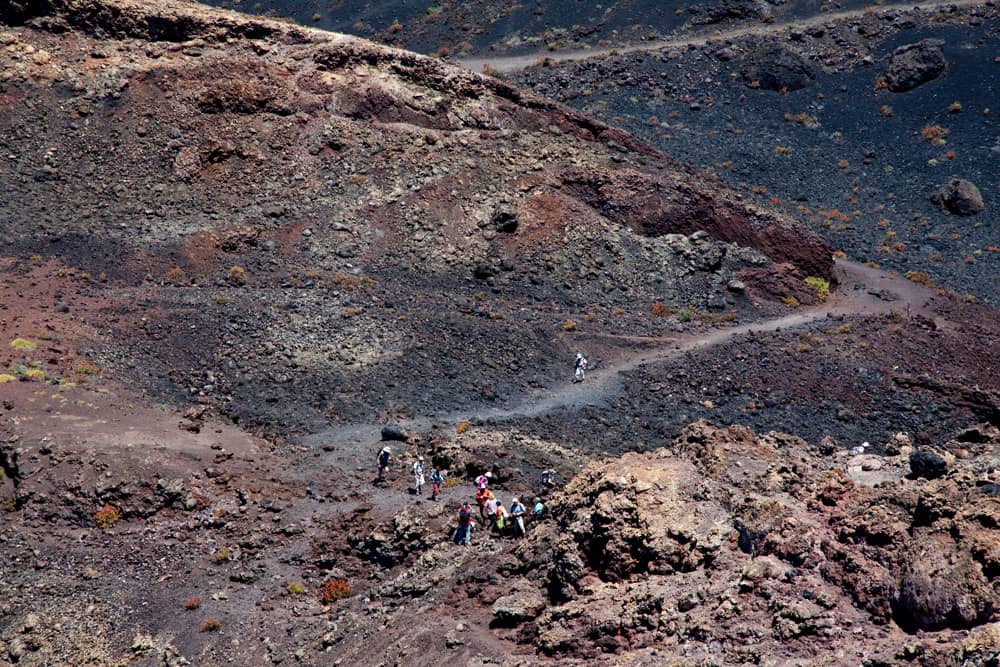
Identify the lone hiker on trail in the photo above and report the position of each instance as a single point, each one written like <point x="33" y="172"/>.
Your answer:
<point x="464" y="533"/>
<point x="418" y="474"/>
<point x="437" y="479"/>
<point x="581" y="368"/>
<point x="383" y="459"/>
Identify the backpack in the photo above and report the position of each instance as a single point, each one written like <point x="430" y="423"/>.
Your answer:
<point x="383" y="458"/>
<point x="463" y="516"/>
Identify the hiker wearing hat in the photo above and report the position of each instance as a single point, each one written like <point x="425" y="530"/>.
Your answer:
<point x="483" y="480"/>
<point x="490" y="508"/>
<point x="384" y="456"/>
<point x="517" y="512"/>
<point x="418" y="474"/>
<point x="580" y="366"/>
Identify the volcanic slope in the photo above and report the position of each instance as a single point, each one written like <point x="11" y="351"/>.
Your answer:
<point x="271" y="211"/>
<point x="220" y="233"/>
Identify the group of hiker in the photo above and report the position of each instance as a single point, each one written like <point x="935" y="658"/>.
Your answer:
<point x="416" y="469"/>
<point x="493" y="513"/>
<point x="495" y="516"/>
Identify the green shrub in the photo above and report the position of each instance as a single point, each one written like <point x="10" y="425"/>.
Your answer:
<point x="23" y="344"/>
<point x="820" y="286"/>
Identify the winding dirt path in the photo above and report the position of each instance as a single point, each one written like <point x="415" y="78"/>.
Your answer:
<point x="519" y="62"/>
<point x="863" y="291"/>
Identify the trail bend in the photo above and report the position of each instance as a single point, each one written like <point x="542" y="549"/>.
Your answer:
<point x="863" y="291"/>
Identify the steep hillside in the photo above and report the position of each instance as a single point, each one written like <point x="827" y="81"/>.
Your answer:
<point x="319" y="210"/>
<point x="238" y="256"/>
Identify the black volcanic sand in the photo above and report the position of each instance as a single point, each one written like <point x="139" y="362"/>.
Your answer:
<point x="699" y="109"/>
<point x="811" y="382"/>
<point x="487" y="26"/>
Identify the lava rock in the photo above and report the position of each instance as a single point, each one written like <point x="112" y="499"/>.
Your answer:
<point x="394" y="432"/>
<point x="518" y="607"/>
<point x="927" y="464"/>
<point x="960" y="197"/>
<point x="912" y="65"/>
<point x="505" y="220"/>
<point x="778" y="68"/>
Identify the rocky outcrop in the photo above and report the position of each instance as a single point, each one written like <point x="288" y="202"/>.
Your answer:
<point x="728" y="529"/>
<point x="912" y="65"/>
<point x="960" y="197"/>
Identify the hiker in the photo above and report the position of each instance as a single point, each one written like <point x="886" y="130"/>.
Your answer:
<point x="384" y="457"/>
<point x="581" y="367"/>
<point x="437" y="479"/>
<point x="483" y="480"/>
<point x="517" y="512"/>
<point x="418" y="474"/>
<point x="464" y="533"/>
<point x="491" y="509"/>
<point x="502" y="518"/>
<point x="549" y="478"/>
<point x="482" y="495"/>
<point x="538" y="511"/>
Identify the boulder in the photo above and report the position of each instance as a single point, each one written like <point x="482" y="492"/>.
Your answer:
<point x="959" y="196"/>
<point x="927" y="464"/>
<point x="505" y="220"/>
<point x="777" y="68"/>
<point x="518" y="607"/>
<point x="912" y="65"/>
<point x="394" y="432"/>
<point x="942" y="587"/>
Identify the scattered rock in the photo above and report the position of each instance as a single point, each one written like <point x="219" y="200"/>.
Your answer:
<point x="960" y="197"/>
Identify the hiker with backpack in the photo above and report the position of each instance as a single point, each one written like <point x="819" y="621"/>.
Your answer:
<point x="581" y="367"/>
<point x="418" y="474"/>
<point x="502" y="518"/>
<point x="517" y="512"/>
<point x="383" y="459"/>
<point x="437" y="479"/>
<point x="482" y="496"/>
<point x="490" y="507"/>
<point x="538" y="511"/>
<point x="463" y="535"/>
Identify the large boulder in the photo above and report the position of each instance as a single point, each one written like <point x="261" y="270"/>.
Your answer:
<point x="959" y="196"/>
<point x="927" y="464"/>
<point x="523" y="604"/>
<point x="777" y="68"/>
<point x="914" y="64"/>
<point x="941" y="586"/>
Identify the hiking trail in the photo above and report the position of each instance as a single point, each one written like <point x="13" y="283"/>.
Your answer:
<point x="523" y="61"/>
<point x="862" y="291"/>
